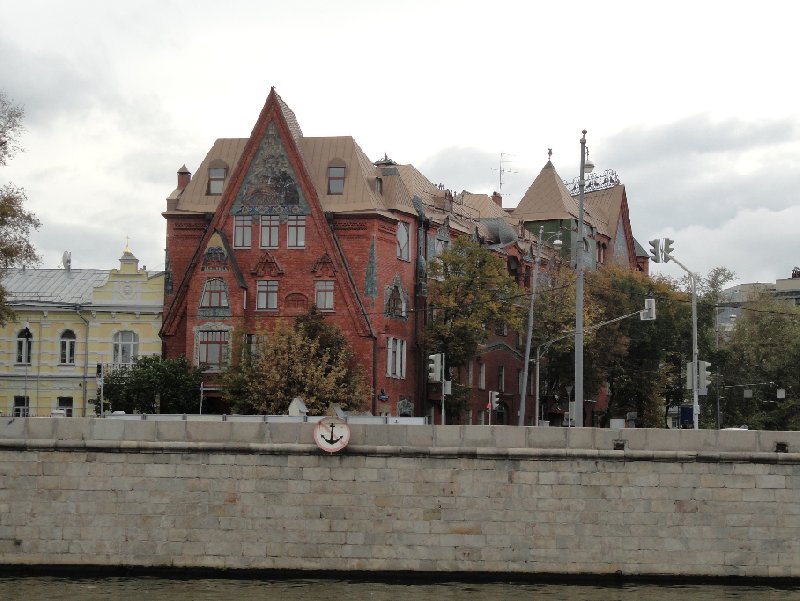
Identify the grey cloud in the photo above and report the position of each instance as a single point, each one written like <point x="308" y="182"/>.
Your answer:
<point x="460" y="168"/>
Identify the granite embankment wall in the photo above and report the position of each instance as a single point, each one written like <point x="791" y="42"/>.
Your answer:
<point x="423" y="498"/>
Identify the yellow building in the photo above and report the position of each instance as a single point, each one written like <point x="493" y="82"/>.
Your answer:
<point x="67" y="322"/>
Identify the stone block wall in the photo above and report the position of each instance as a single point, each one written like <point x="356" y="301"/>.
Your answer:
<point x="420" y="498"/>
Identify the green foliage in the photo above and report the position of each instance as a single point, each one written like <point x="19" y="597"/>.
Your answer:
<point x="470" y="291"/>
<point x="154" y="385"/>
<point x="16" y="224"/>
<point x="761" y="355"/>
<point x="310" y="359"/>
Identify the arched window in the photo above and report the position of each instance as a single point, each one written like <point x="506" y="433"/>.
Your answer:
<point x="215" y="294"/>
<point x="126" y="347"/>
<point x="68" y="348"/>
<point x="336" y="175"/>
<point x="24" y="346"/>
<point x="395" y="306"/>
<point x="403" y="239"/>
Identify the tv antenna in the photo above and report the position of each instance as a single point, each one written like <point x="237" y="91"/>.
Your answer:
<point x="501" y="170"/>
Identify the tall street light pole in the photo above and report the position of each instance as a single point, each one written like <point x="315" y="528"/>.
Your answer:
<point x="524" y="391"/>
<point x="586" y="167"/>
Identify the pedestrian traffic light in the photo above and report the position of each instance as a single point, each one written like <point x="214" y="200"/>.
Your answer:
<point x="494" y="399"/>
<point x="655" y="250"/>
<point x="435" y="367"/>
<point x="704" y="373"/>
<point x="666" y="250"/>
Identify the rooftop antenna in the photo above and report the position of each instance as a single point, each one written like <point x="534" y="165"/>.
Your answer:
<point x="503" y="170"/>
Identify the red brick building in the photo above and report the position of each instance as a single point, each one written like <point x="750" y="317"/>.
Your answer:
<point x="276" y="223"/>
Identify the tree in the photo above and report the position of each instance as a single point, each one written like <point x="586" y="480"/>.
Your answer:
<point x="309" y="359"/>
<point x="16" y="223"/>
<point x="154" y="385"/>
<point x="761" y="355"/>
<point x="470" y="291"/>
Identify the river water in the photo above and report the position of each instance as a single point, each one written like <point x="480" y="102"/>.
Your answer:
<point x="165" y="589"/>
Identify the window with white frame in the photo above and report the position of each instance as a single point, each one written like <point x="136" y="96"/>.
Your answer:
<point x="482" y="376"/>
<point x="212" y="346"/>
<point x="295" y="231"/>
<point x="66" y="404"/>
<point x="21" y="406"/>
<point x="215" y="294"/>
<point x="269" y="231"/>
<point x="242" y="231"/>
<point x="67" y="344"/>
<point x="24" y="346"/>
<point x="501" y="378"/>
<point x="267" y="295"/>
<point x="323" y="290"/>
<point x="403" y="240"/>
<point x="396" y="358"/>
<point x="125" y="347"/>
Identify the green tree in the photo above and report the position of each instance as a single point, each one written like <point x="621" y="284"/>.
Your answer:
<point x="154" y="385"/>
<point x="310" y="359"/>
<point x="761" y="355"/>
<point x="16" y="224"/>
<point x="470" y="291"/>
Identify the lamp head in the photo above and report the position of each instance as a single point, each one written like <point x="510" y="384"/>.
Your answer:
<point x="588" y="165"/>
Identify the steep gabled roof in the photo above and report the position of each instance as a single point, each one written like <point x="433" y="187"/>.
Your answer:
<point x="606" y="206"/>
<point x="271" y="169"/>
<point x="548" y="199"/>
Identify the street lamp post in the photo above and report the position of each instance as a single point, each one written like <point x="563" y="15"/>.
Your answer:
<point x="586" y="167"/>
<point x="524" y="392"/>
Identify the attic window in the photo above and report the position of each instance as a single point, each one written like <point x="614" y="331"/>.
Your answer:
<point x="336" y="174"/>
<point x="217" y="171"/>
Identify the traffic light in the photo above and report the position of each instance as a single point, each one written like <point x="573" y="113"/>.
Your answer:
<point x="655" y="250"/>
<point x="435" y="367"/>
<point x="649" y="313"/>
<point x="494" y="399"/>
<point x="666" y="250"/>
<point x="704" y="373"/>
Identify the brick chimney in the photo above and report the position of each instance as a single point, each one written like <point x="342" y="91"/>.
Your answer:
<point x="184" y="177"/>
<point x="498" y="199"/>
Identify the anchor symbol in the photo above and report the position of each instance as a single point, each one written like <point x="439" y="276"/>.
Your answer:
<point x="332" y="440"/>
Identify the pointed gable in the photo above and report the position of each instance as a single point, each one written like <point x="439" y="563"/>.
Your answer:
<point x="271" y="179"/>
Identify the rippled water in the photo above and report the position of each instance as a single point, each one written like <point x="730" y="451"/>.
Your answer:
<point x="158" y="589"/>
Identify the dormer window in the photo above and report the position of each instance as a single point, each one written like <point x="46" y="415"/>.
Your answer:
<point x="217" y="171"/>
<point x="336" y="175"/>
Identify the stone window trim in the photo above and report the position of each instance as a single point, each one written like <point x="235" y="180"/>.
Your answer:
<point x="67" y="348"/>
<point x="215" y="294"/>
<point x="212" y="346"/>
<point x="125" y="347"/>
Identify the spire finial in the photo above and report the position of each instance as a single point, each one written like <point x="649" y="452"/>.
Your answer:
<point x="549" y="153"/>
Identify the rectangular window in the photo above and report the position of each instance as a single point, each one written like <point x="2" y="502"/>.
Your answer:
<point x="396" y="358"/>
<point x="24" y="351"/>
<point x="296" y="232"/>
<point x="242" y="231"/>
<point x="216" y="179"/>
<point x="267" y="295"/>
<point x="213" y="348"/>
<point x="67" y="351"/>
<point x="501" y="378"/>
<point x="22" y="406"/>
<point x="324" y="295"/>
<point x="482" y="376"/>
<point x="65" y="403"/>
<point x="470" y="373"/>
<point x="336" y="180"/>
<point x="269" y="231"/>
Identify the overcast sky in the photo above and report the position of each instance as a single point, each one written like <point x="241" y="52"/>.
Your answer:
<point x="693" y="104"/>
